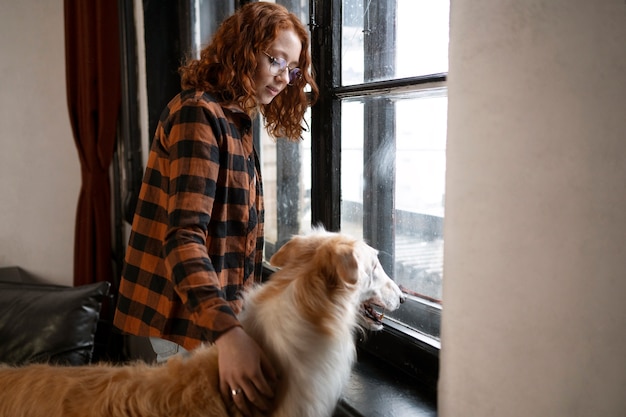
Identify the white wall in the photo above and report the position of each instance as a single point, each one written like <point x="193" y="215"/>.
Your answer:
<point x="534" y="318"/>
<point x="39" y="167"/>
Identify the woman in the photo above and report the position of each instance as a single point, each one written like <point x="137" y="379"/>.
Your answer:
<point x="197" y="235"/>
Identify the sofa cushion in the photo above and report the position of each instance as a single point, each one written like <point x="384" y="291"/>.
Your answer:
<point x="48" y="323"/>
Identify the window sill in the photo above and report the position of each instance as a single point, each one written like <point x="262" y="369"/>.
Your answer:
<point x="376" y="389"/>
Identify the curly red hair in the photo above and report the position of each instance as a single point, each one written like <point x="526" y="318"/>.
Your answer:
<point x="227" y="66"/>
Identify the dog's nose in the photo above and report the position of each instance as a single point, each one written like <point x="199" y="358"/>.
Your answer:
<point x="402" y="298"/>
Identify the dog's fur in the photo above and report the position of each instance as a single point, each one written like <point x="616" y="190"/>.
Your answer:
<point x="304" y="318"/>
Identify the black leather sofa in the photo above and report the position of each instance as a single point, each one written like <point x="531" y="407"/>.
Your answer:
<point x="43" y="323"/>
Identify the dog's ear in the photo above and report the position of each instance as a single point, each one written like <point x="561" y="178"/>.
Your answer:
<point x="339" y="263"/>
<point x="296" y="249"/>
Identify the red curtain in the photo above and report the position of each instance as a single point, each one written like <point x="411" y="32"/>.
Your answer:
<point x="93" y="96"/>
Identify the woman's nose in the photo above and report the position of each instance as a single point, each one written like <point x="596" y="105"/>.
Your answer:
<point x="284" y="75"/>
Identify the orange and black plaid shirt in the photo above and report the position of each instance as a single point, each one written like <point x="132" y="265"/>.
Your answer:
<point x="197" y="235"/>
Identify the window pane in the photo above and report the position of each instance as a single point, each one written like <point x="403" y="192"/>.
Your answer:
<point x="286" y="171"/>
<point x="393" y="185"/>
<point x="420" y="192"/>
<point x="382" y="40"/>
<point x="211" y="14"/>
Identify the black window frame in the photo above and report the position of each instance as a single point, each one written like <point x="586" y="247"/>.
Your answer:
<point x="397" y="345"/>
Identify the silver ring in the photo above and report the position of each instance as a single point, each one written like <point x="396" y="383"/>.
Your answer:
<point x="234" y="392"/>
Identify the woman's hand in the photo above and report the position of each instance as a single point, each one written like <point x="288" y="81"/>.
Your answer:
<point x="246" y="375"/>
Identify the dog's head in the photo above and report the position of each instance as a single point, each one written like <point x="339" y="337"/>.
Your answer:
<point x="342" y="265"/>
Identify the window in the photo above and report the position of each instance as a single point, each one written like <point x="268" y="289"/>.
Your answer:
<point x="374" y="162"/>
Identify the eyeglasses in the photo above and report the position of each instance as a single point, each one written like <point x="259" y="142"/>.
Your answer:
<point x="279" y="65"/>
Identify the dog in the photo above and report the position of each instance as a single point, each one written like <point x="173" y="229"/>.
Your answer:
<point x="304" y="317"/>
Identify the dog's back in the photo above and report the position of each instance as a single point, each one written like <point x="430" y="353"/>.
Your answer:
<point x="304" y="318"/>
<point x="184" y="387"/>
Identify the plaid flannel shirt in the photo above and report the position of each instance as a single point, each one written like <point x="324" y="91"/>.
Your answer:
<point x="197" y="235"/>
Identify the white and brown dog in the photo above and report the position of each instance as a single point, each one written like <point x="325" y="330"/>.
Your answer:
<point x="304" y="318"/>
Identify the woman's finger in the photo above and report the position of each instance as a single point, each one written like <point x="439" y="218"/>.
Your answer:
<point x="256" y="399"/>
<point x="238" y="396"/>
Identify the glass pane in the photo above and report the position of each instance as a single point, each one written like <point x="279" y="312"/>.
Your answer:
<point x="420" y="192"/>
<point x="383" y="40"/>
<point x="393" y="184"/>
<point x="286" y="171"/>
<point x="211" y="14"/>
